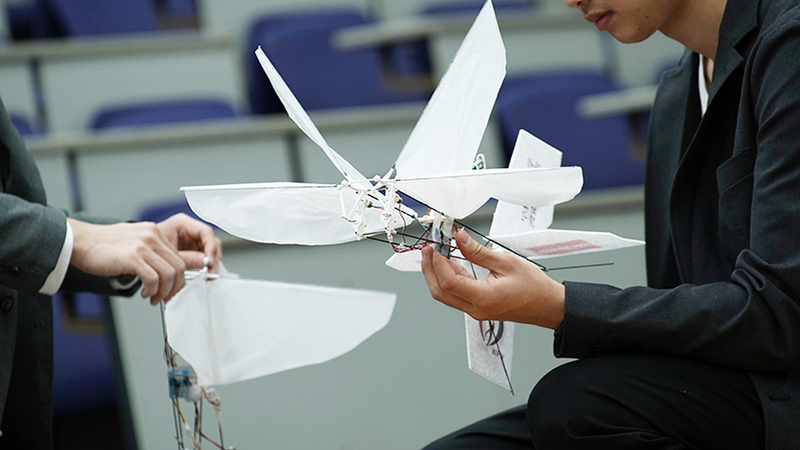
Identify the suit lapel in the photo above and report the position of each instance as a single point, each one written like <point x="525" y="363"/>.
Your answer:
<point x="673" y="123"/>
<point x="705" y="141"/>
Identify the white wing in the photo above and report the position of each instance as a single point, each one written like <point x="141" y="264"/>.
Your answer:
<point x="300" y="117"/>
<point x="281" y="213"/>
<point x="543" y="244"/>
<point x="231" y="330"/>
<point x="535" y="244"/>
<point x="460" y="194"/>
<point x="529" y="151"/>
<point x="447" y="135"/>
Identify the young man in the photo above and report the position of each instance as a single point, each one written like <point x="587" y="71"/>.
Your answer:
<point x="707" y="355"/>
<point x="41" y="251"/>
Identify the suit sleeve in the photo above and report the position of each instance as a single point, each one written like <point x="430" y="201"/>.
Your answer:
<point x="751" y="320"/>
<point x="31" y="238"/>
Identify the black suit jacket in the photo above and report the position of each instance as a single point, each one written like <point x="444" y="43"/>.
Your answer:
<point x="31" y="237"/>
<point x="722" y="209"/>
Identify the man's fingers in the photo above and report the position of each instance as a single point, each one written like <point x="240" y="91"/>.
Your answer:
<point x="166" y="275"/>
<point x="191" y="234"/>
<point x="440" y="275"/>
<point x="479" y="254"/>
<point x="192" y="259"/>
<point x="161" y="270"/>
<point x="428" y="273"/>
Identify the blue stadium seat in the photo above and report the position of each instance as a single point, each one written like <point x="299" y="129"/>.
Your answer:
<point x="320" y="76"/>
<point x="40" y="19"/>
<point x="162" y="112"/>
<point x="180" y="7"/>
<point x="545" y="105"/>
<point x="413" y="58"/>
<point x="93" y="17"/>
<point x="32" y="20"/>
<point x="162" y="210"/>
<point x="473" y="6"/>
<point x="83" y="367"/>
<point x="24" y="126"/>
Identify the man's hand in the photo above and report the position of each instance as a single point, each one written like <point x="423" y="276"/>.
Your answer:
<point x="515" y="290"/>
<point x="157" y="253"/>
<point x="193" y="239"/>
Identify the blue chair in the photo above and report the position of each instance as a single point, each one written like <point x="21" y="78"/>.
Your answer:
<point x="24" y="126"/>
<point x="93" y="17"/>
<point x="179" y="7"/>
<point x="473" y="6"/>
<point x="320" y="76"/>
<point x="545" y="105"/>
<point x="32" y="20"/>
<point x="413" y="58"/>
<point x="83" y="365"/>
<point x="162" y="210"/>
<point x="163" y="112"/>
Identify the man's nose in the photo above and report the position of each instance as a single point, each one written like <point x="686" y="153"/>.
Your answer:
<point x="573" y="3"/>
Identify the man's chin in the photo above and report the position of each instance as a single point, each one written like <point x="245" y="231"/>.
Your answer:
<point x="626" y="38"/>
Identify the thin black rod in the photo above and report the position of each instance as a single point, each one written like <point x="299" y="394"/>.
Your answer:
<point x="583" y="266"/>
<point x="488" y="239"/>
<point x="541" y="266"/>
<point x="458" y="222"/>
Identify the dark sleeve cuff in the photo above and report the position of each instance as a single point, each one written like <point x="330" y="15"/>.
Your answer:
<point x="584" y="331"/>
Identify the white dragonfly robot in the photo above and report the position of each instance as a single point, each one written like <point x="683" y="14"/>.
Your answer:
<point x="434" y="168"/>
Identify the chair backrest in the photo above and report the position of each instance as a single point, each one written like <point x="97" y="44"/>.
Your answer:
<point x="179" y="7"/>
<point x="162" y="112"/>
<point x="91" y="17"/>
<point x="83" y="366"/>
<point x="157" y="212"/>
<point x="411" y="59"/>
<point x="473" y="6"/>
<point x="320" y="76"/>
<point x="24" y="126"/>
<point x="545" y="105"/>
<point x="32" y="20"/>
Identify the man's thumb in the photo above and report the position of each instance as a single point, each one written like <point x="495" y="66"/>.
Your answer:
<point x="474" y="251"/>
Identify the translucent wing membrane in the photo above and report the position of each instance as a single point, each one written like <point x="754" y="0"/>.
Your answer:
<point x="460" y="194"/>
<point x="447" y="135"/>
<point x="232" y="329"/>
<point x="282" y="213"/>
<point x="300" y="117"/>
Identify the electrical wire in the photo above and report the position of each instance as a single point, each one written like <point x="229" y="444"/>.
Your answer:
<point x="168" y="358"/>
<point x="177" y="414"/>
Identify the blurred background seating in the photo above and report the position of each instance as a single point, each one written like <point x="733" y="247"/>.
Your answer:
<point x="72" y="72"/>
<point x="161" y="113"/>
<point x="544" y="104"/>
<point x="332" y="78"/>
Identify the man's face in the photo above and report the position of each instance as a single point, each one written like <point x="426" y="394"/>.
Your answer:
<point x="628" y="20"/>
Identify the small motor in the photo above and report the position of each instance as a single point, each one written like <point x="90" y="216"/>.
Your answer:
<point x="183" y="384"/>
